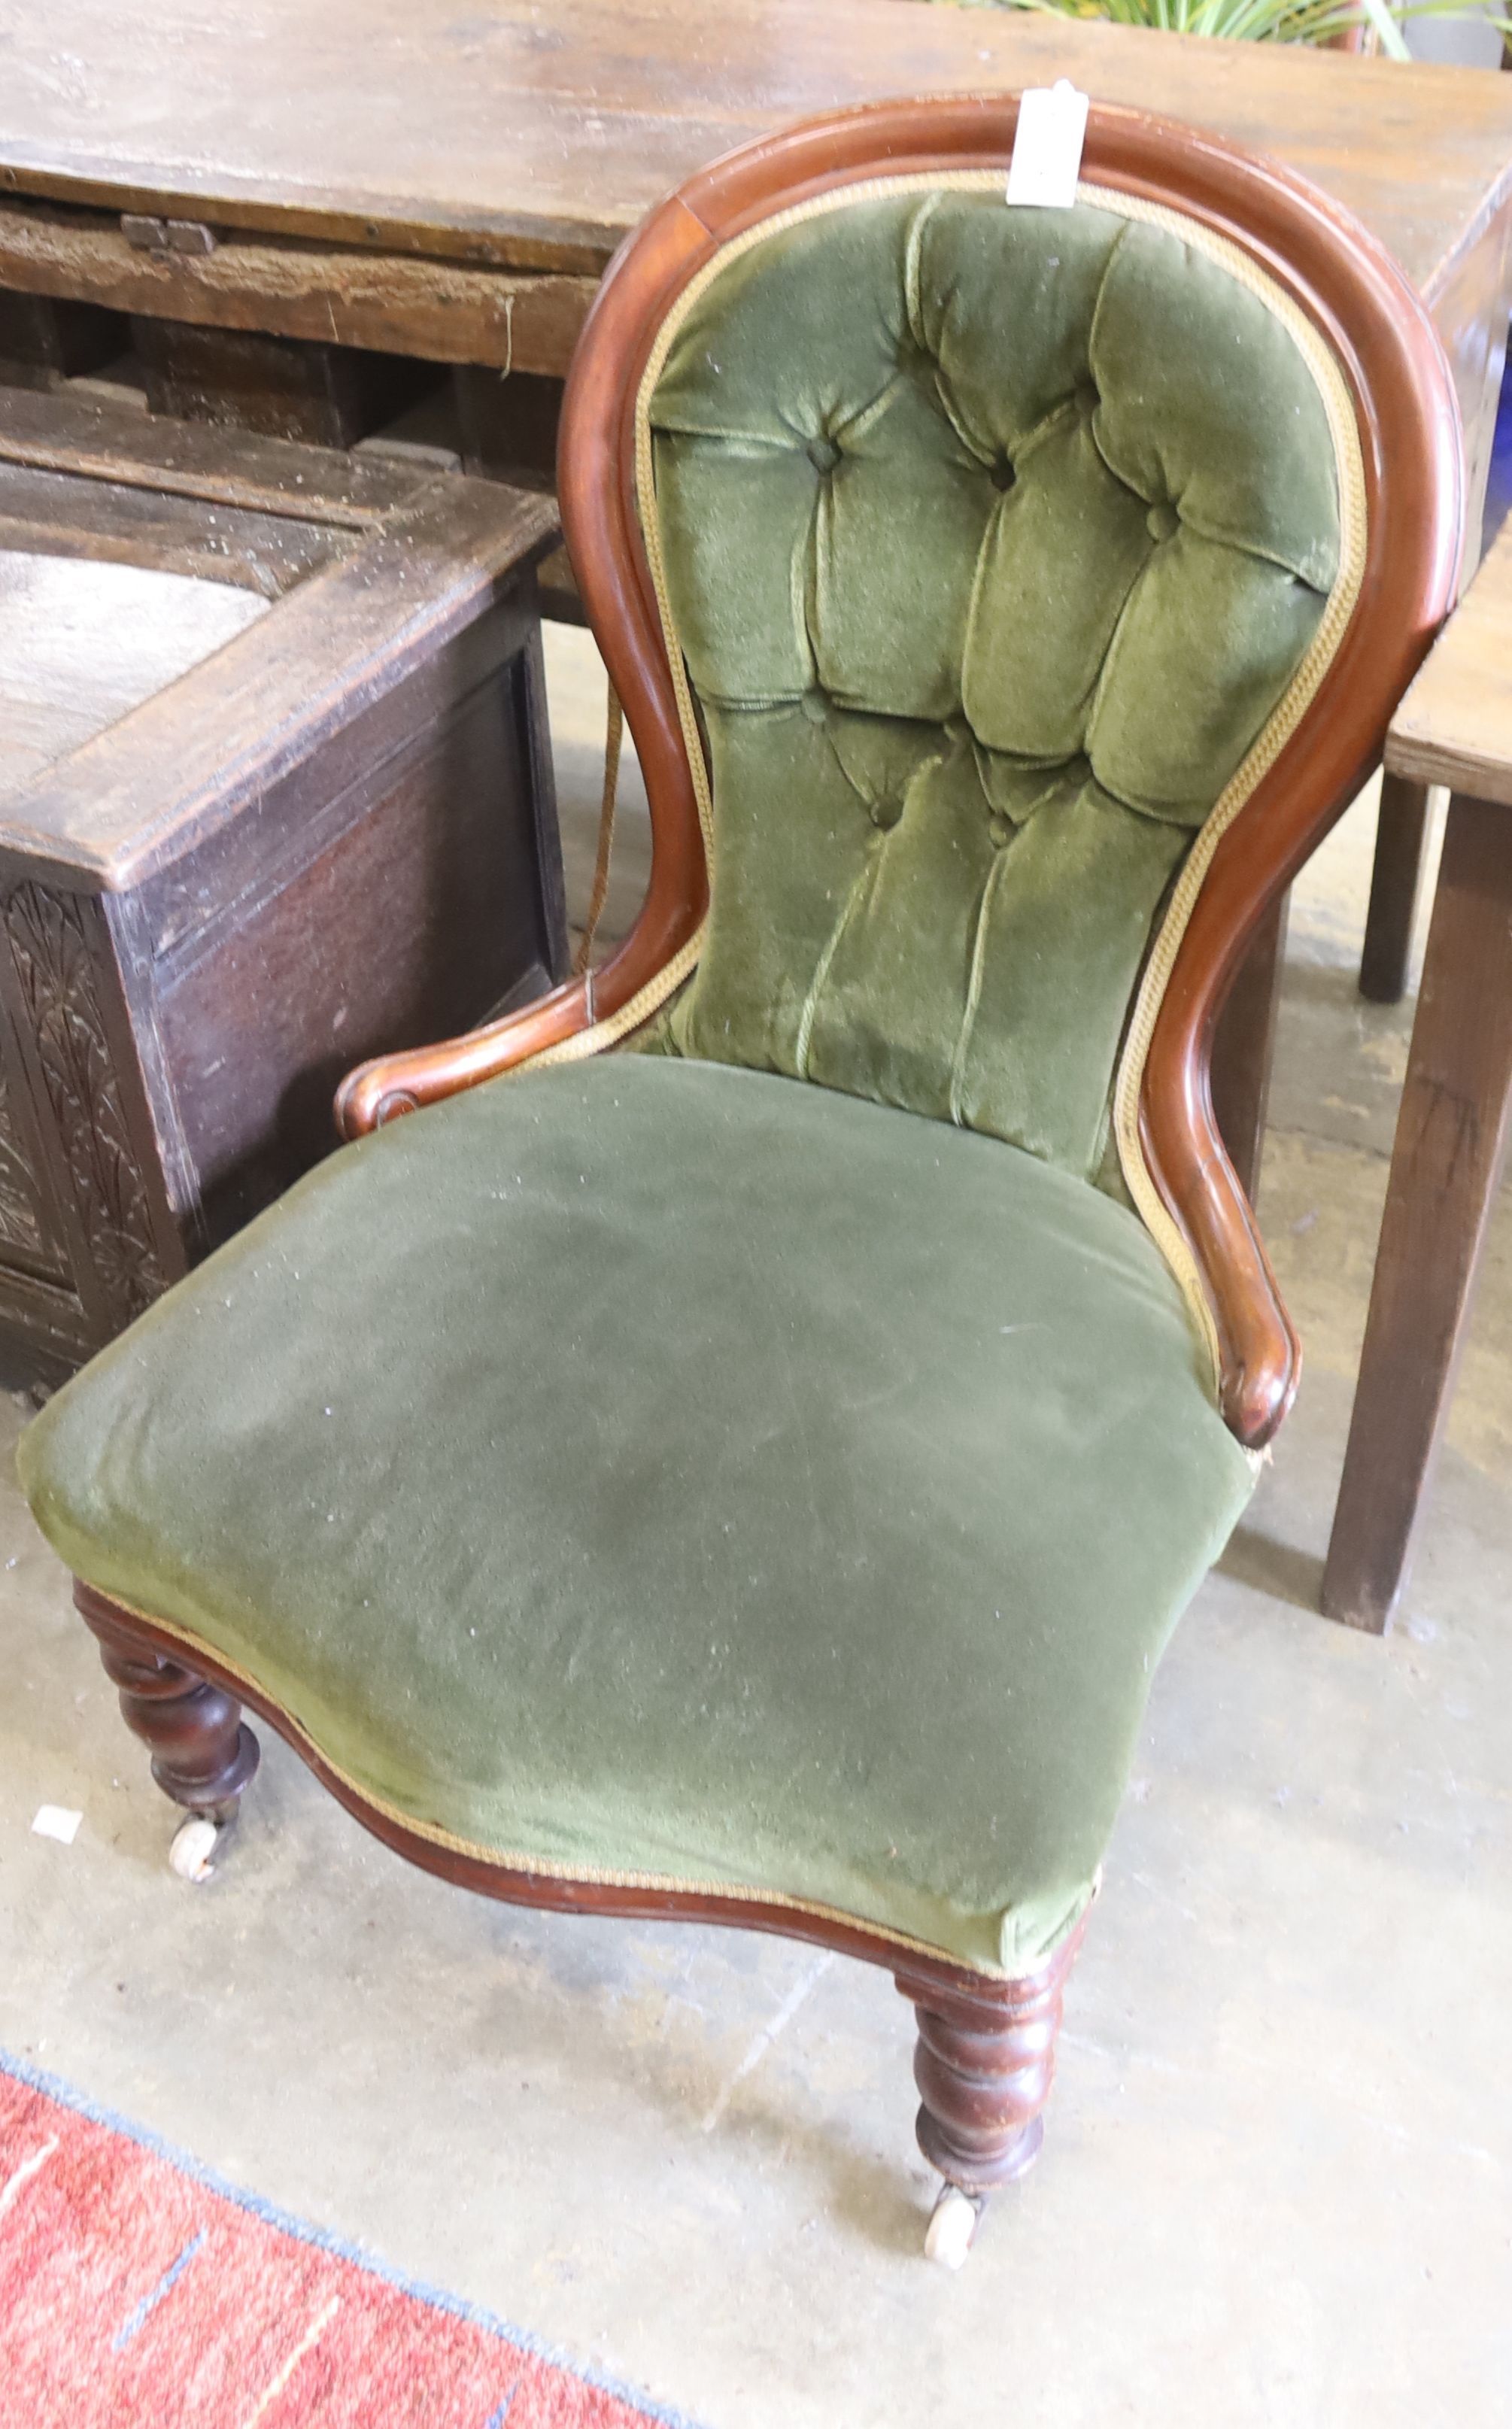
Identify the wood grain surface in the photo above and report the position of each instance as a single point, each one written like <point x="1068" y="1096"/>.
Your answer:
<point x="199" y="752"/>
<point x="104" y="438"/>
<point x="1446" y="1162"/>
<point x="537" y="133"/>
<point x="274" y="790"/>
<point x="448" y="311"/>
<point x="82" y="642"/>
<point x="1454" y="726"/>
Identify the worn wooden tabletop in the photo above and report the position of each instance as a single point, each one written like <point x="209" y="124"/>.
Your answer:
<point x="1454" y="726"/>
<point x="536" y="132"/>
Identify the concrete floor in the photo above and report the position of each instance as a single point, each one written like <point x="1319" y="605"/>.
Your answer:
<point x="1275" y="2183"/>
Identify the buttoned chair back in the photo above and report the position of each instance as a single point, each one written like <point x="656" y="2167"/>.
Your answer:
<point x="988" y="586"/>
<point x="998" y="546"/>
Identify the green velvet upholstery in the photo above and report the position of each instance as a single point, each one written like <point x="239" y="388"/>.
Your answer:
<point x="661" y="1467"/>
<point x="654" y="1466"/>
<point x="990" y="540"/>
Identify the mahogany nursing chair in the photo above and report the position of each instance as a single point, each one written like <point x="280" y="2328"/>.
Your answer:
<point x="745" y="1459"/>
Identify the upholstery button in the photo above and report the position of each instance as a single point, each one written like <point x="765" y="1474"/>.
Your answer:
<point x="814" y="706"/>
<point x="1161" y="522"/>
<point x="823" y="454"/>
<point x="1089" y="398"/>
<point x="884" y="815"/>
<point x="1002" y="474"/>
<point x="1000" y="830"/>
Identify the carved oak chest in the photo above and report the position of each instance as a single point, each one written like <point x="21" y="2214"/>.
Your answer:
<point x="274" y="794"/>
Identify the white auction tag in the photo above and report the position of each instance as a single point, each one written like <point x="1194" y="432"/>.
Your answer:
<point x="56" y="1822"/>
<point x="1052" y="128"/>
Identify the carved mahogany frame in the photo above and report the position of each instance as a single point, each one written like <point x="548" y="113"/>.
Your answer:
<point x="1409" y="425"/>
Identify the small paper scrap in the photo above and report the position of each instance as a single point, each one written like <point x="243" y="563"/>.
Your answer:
<point x="1052" y="128"/>
<point x="56" y="1822"/>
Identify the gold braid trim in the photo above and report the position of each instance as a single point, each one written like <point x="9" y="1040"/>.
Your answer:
<point x="1263" y="752"/>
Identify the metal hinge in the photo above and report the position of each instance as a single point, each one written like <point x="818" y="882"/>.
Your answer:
<point x="145" y="233"/>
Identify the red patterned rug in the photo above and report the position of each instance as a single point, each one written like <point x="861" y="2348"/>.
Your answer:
<point x="139" y="2292"/>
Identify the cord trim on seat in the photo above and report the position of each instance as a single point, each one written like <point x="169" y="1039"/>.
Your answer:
<point x="552" y="1868"/>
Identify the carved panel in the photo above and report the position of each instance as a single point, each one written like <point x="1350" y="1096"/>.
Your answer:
<point x="51" y="947"/>
<point x="20" y="1227"/>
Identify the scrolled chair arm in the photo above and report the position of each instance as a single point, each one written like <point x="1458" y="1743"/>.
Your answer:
<point x="378" y="1091"/>
<point x="1259" y="1355"/>
<point x="391" y="1084"/>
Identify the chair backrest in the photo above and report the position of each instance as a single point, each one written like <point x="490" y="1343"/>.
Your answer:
<point x="991" y="542"/>
<point x="979" y="578"/>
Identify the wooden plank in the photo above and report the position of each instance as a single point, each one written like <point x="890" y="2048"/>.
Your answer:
<point x="104" y="441"/>
<point x="81" y="644"/>
<point x="202" y="896"/>
<point x="1450" y="1143"/>
<point x="425" y="876"/>
<point x="168" y="1055"/>
<point x="57" y="514"/>
<point x="206" y="746"/>
<point x="1454" y="726"/>
<point x="448" y="312"/>
<point x="536" y="132"/>
<point x="1470" y="311"/>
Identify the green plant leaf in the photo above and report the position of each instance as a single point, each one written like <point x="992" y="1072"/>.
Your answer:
<point x="1388" y="28"/>
<point x="1314" y="22"/>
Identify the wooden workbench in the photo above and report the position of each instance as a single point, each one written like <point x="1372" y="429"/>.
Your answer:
<point x="1454" y="728"/>
<point x="450" y="184"/>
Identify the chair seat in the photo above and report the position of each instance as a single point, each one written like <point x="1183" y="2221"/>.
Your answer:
<point x="661" y="1469"/>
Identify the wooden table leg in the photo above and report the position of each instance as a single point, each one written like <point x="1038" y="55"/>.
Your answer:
<point x="1450" y="1137"/>
<point x="1243" y="1044"/>
<point x="1395" y="877"/>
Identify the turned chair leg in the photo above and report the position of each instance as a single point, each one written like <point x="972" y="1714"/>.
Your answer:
<point x="203" y="1752"/>
<point x="984" y="2065"/>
